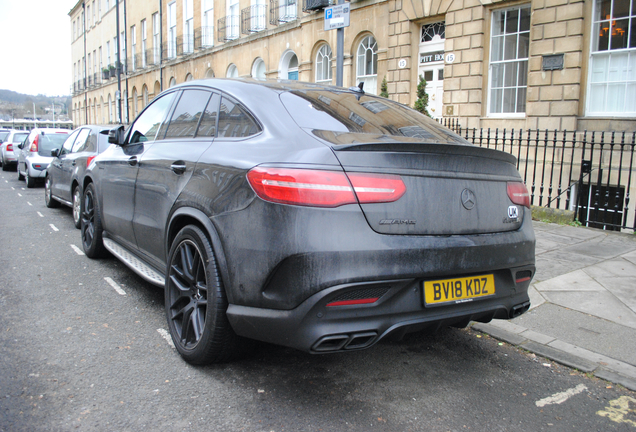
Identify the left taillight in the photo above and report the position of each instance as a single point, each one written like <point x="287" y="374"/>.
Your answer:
<point x="34" y="144"/>
<point x="518" y="194"/>
<point x="89" y="160"/>
<point x="9" y="147"/>
<point x="318" y="188"/>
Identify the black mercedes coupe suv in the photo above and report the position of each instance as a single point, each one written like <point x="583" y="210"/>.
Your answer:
<point x="309" y="216"/>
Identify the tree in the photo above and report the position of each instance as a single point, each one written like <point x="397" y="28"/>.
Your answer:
<point x="421" y="104"/>
<point x="384" y="88"/>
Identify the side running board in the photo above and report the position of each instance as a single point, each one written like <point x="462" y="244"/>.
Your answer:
<point x="134" y="263"/>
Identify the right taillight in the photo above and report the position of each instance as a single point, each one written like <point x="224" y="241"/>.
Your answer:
<point x="9" y="147"/>
<point x="518" y="194"/>
<point x="318" y="188"/>
<point x="34" y="144"/>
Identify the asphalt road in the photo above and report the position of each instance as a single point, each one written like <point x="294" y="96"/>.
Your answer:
<point x="81" y="348"/>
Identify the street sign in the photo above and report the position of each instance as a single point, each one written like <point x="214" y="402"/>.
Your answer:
<point x="336" y="17"/>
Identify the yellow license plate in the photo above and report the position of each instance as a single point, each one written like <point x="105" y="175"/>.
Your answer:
<point x="459" y="290"/>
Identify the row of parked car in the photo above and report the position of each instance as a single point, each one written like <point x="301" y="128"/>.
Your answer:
<point x="58" y="157"/>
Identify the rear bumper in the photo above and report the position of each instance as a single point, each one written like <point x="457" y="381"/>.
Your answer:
<point x="317" y="328"/>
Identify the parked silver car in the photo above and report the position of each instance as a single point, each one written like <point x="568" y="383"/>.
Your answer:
<point x="35" y="153"/>
<point x="9" y="148"/>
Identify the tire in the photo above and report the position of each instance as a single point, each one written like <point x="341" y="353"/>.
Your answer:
<point x="91" y="224"/>
<point x="48" y="199"/>
<point x="5" y="167"/>
<point x="196" y="304"/>
<point x="77" y="207"/>
<point x="20" y="176"/>
<point x="30" y="181"/>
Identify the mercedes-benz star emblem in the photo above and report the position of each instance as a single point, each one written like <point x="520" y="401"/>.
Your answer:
<point x="468" y="199"/>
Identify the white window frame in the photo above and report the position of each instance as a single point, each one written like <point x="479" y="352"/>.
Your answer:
<point x="156" y="45"/>
<point x="368" y="76"/>
<point x="172" y="29"/>
<point x="611" y="84"/>
<point x="232" y="20"/>
<point x="324" y="54"/>
<point x="207" y="23"/>
<point x="520" y="85"/>
<point x="144" y="43"/>
<point x="133" y="41"/>
<point x="258" y="69"/>
<point x="188" y="26"/>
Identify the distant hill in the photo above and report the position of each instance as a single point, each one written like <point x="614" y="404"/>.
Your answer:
<point x="19" y="105"/>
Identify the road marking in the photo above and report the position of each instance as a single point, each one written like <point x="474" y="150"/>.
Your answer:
<point x="164" y="334"/>
<point x="29" y="204"/>
<point x="115" y="286"/>
<point x="40" y="214"/>
<point x="619" y="410"/>
<point x="559" y="398"/>
<point x="53" y="227"/>
<point x="19" y="194"/>
<point x="77" y="250"/>
<point x="12" y="188"/>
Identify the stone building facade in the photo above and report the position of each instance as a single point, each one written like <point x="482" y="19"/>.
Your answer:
<point x="547" y="64"/>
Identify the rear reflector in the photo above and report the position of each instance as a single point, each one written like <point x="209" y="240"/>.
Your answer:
<point x="518" y="194"/>
<point x="353" y="302"/>
<point x="317" y="188"/>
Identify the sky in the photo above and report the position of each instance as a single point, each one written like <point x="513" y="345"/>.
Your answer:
<point x="35" y="40"/>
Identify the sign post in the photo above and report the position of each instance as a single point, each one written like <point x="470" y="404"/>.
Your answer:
<point x="337" y="17"/>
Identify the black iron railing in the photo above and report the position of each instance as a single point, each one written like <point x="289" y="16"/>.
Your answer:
<point x="228" y="28"/>
<point x="253" y="19"/>
<point x="203" y="37"/>
<point x="282" y="11"/>
<point x="590" y="173"/>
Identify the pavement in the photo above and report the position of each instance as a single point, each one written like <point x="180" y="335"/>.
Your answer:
<point x="583" y="297"/>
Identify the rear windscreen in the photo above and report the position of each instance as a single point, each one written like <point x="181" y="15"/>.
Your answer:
<point x="18" y="138"/>
<point x="3" y="135"/>
<point x="334" y="111"/>
<point x="48" y="142"/>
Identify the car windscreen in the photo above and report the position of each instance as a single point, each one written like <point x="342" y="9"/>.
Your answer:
<point x="50" y="141"/>
<point x="350" y="112"/>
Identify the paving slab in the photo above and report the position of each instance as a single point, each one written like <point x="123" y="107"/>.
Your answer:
<point x="580" y="329"/>
<point x="600" y="304"/>
<point x="577" y="280"/>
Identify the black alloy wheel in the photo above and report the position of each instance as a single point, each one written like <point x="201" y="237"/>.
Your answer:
<point x="195" y="301"/>
<point x="77" y="207"/>
<point x="48" y="198"/>
<point x="92" y="224"/>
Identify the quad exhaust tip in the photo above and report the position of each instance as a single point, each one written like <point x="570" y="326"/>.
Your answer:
<point x="344" y="342"/>
<point x="519" y="309"/>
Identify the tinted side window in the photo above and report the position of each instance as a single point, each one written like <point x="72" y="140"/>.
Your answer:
<point x="234" y="121"/>
<point x="147" y="124"/>
<point x="186" y="115"/>
<point x="82" y="139"/>
<point x="68" y="144"/>
<point x="208" y="122"/>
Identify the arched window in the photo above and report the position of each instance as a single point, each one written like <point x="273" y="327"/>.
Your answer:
<point x="188" y="77"/>
<point x="157" y="89"/>
<point x="258" y="69"/>
<point x="367" y="70"/>
<point x="111" y="117"/>
<point x="173" y="82"/>
<point x="323" y="65"/>
<point x="135" y="105"/>
<point x="144" y="95"/>
<point x="232" y="71"/>
<point x="209" y="73"/>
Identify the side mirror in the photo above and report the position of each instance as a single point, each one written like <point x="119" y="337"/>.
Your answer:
<point x="55" y="153"/>
<point x="21" y="145"/>
<point x="116" y="135"/>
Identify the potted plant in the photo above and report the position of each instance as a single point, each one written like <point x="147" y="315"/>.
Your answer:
<point x="113" y="71"/>
<point x="105" y="73"/>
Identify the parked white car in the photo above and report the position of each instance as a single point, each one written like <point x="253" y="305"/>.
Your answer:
<point x="35" y="153"/>
<point x="9" y="148"/>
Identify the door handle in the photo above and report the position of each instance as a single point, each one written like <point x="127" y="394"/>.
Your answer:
<point x="132" y="161"/>
<point x="178" y="167"/>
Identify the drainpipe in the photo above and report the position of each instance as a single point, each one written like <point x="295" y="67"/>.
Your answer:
<point x="118" y="66"/>
<point x="160" y="45"/>
<point x="126" y="60"/>
<point x="85" y="71"/>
